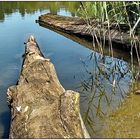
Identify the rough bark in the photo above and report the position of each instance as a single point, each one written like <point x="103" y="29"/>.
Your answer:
<point x="40" y="106"/>
<point x="78" y="26"/>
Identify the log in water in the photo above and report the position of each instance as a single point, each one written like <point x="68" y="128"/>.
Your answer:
<point x="118" y="34"/>
<point x="40" y="106"/>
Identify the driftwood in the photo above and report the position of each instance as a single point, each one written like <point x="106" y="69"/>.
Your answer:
<point x="117" y="49"/>
<point x="40" y="106"/>
<point x="79" y="27"/>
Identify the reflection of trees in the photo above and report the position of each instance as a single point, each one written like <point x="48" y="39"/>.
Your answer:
<point x="104" y="84"/>
<point x="1" y="16"/>
<point x="7" y="8"/>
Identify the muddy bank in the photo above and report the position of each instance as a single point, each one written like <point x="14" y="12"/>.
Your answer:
<point x="124" y="122"/>
<point x="79" y="27"/>
<point x="40" y="106"/>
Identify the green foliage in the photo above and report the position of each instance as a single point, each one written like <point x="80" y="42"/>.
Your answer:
<point x="119" y="12"/>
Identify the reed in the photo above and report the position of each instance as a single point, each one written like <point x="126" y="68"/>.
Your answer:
<point x="126" y="14"/>
<point x="105" y="79"/>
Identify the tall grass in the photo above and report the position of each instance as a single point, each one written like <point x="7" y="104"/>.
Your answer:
<point x="120" y="15"/>
<point x="104" y="15"/>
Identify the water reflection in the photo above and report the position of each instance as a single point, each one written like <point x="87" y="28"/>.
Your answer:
<point x="105" y="82"/>
<point x="5" y="119"/>
<point x="23" y="8"/>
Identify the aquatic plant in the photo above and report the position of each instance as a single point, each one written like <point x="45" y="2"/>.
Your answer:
<point x="122" y="16"/>
<point x="104" y="84"/>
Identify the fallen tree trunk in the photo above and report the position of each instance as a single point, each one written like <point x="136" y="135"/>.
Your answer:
<point x="40" y="106"/>
<point x="79" y="27"/>
<point x="117" y="49"/>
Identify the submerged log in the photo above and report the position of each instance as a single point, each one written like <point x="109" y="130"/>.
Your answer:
<point x="79" y="27"/>
<point x="40" y="106"/>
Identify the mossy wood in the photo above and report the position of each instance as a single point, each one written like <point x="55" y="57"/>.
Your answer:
<point x="40" y="106"/>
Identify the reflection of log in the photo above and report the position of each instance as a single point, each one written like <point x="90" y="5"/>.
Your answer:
<point x="40" y="106"/>
<point x="77" y="26"/>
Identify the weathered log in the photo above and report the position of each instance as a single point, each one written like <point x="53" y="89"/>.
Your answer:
<point x="79" y="27"/>
<point x="40" y="106"/>
<point x="117" y="48"/>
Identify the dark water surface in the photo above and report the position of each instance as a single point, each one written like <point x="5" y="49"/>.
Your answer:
<point x="101" y="80"/>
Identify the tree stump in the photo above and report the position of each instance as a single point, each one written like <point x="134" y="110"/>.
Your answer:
<point x="40" y="106"/>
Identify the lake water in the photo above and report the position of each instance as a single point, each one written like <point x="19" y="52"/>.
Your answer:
<point x="101" y="80"/>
